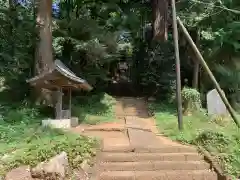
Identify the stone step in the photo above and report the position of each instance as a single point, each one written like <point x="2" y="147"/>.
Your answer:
<point x="153" y="165"/>
<point x="120" y="149"/>
<point x="165" y="149"/>
<point x="145" y="140"/>
<point x="131" y="157"/>
<point x="148" y="149"/>
<point x="106" y="127"/>
<point x="158" y="175"/>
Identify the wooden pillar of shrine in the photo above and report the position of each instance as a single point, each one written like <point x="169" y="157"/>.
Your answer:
<point x="63" y="103"/>
<point x="58" y="105"/>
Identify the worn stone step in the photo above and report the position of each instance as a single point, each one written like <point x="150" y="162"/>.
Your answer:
<point x="119" y="149"/>
<point x="148" y="149"/>
<point x="131" y="157"/>
<point x="153" y="165"/>
<point x="165" y="149"/>
<point x="106" y="127"/>
<point x="158" y="175"/>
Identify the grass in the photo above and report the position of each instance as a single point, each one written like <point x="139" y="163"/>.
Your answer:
<point x="218" y="136"/>
<point x="94" y="109"/>
<point x="24" y="142"/>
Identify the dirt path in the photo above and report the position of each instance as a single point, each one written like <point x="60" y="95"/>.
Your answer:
<point x="131" y="150"/>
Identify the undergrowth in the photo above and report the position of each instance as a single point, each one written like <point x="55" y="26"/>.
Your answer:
<point x="94" y="109"/>
<point x="222" y="141"/>
<point x="24" y="142"/>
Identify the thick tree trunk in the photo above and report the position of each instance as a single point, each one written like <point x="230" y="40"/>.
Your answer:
<point x="44" y="50"/>
<point x="160" y="19"/>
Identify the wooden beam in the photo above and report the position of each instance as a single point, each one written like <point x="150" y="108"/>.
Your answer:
<point x="206" y="68"/>
<point x="64" y="83"/>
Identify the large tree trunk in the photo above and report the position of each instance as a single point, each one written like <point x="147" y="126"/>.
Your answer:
<point x="44" y="50"/>
<point x="160" y="19"/>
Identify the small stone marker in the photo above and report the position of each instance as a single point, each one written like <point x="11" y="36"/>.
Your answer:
<point x="215" y="104"/>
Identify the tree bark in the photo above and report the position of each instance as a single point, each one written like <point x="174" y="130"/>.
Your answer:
<point x="44" y="50"/>
<point x="160" y="19"/>
<point x="195" y="75"/>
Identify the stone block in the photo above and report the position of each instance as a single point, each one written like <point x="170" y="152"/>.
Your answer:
<point x="61" y="123"/>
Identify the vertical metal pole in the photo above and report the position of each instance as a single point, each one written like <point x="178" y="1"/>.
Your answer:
<point x="178" y="70"/>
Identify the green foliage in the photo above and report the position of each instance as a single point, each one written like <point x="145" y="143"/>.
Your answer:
<point x="156" y="70"/>
<point x="221" y="141"/>
<point x="191" y="99"/>
<point x="230" y="76"/>
<point x="190" y="94"/>
<point x="219" y="41"/>
<point x="20" y="145"/>
<point x="94" y="109"/>
<point x="17" y="36"/>
<point x="19" y="115"/>
<point x="87" y="38"/>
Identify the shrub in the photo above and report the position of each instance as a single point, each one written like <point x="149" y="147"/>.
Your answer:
<point x="44" y="144"/>
<point x="191" y="100"/>
<point x="24" y="142"/>
<point x="94" y="109"/>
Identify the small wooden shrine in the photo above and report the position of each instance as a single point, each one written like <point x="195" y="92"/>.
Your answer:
<point x="61" y="80"/>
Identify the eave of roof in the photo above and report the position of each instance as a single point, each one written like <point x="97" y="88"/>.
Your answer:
<point x="64" y="71"/>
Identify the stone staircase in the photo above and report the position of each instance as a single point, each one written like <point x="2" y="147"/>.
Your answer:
<point x="143" y="155"/>
<point x="162" y="163"/>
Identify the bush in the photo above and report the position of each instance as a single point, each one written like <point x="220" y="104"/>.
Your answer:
<point x="24" y="142"/>
<point x="40" y="144"/>
<point x="22" y="115"/>
<point x="94" y="109"/>
<point x="191" y="100"/>
<point x="38" y="150"/>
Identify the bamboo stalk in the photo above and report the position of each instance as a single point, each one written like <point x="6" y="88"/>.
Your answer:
<point x="206" y="68"/>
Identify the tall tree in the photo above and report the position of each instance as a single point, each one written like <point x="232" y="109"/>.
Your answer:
<point x="44" y="51"/>
<point x="160" y="19"/>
